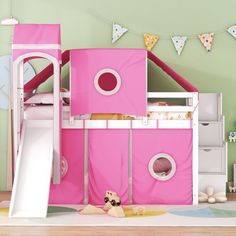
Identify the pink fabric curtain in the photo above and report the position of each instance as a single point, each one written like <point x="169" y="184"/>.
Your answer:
<point x="71" y="188"/>
<point x="178" y="144"/>
<point x="108" y="164"/>
<point x="130" y="64"/>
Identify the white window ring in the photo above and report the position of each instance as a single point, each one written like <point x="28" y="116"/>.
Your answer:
<point x="164" y="177"/>
<point x="105" y="92"/>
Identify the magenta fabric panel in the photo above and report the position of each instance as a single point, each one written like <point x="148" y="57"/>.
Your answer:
<point x="71" y="188"/>
<point x="178" y="144"/>
<point x="178" y="78"/>
<point x="108" y="164"/>
<point x="52" y="52"/>
<point x="37" y="34"/>
<point x="130" y="64"/>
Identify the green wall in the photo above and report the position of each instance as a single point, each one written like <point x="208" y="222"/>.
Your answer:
<point x="82" y="28"/>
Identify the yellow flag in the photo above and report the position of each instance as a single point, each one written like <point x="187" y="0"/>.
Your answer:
<point x="150" y="41"/>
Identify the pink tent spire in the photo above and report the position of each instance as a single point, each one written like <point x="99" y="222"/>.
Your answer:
<point x="40" y="38"/>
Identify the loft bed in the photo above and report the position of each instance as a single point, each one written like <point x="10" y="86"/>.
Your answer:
<point x="107" y="136"/>
<point x="161" y="116"/>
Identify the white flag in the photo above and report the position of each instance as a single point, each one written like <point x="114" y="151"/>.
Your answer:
<point x="179" y="42"/>
<point x="232" y="30"/>
<point x="117" y="32"/>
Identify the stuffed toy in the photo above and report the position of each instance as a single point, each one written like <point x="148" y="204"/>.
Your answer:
<point x="212" y="197"/>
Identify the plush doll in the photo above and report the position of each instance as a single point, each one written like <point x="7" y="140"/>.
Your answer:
<point x="212" y="197"/>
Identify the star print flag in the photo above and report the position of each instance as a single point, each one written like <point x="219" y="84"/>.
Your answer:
<point x="232" y="30"/>
<point x="206" y="40"/>
<point x="150" y="41"/>
<point x="117" y="32"/>
<point x="179" y="42"/>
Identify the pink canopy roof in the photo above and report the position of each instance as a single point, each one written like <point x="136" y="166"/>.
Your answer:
<point x="37" y="34"/>
<point x="48" y="71"/>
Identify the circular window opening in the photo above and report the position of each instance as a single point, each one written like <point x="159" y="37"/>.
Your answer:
<point x="107" y="82"/>
<point x="162" y="167"/>
<point x="64" y="167"/>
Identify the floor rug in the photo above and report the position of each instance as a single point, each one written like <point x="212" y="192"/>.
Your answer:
<point x="223" y="214"/>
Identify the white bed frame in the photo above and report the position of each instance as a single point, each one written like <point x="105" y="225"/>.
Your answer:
<point x="75" y="123"/>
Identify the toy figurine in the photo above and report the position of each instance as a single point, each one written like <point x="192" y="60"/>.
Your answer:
<point x="112" y="198"/>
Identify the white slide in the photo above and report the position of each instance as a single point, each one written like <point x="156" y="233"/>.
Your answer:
<point x="33" y="170"/>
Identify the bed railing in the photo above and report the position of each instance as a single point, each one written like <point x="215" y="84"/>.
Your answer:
<point x="191" y="105"/>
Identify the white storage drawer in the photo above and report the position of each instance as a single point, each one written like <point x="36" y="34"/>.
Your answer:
<point x="210" y="106"/>
<point x="211" y="133"/>
<point x="217" y="181"/>
<point x="213" y="159"/>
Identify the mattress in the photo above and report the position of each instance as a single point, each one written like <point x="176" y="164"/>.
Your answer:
<point x="45" y="112"/>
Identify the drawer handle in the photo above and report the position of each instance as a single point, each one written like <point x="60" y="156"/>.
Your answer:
<point x="205" y="124"/>
<point x="206" y="150"/>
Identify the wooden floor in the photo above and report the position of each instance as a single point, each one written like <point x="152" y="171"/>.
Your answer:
<point x="115" y="231"/>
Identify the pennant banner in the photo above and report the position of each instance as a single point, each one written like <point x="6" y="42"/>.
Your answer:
<point x="117" y="32"/>
<point x="232" y="30"/>
<point x="179" y="42"/>
<point x="150" y="41"/>
<point x="207" y="40"/>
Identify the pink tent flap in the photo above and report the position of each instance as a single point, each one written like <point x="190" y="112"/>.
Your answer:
<point x="71" y="188"/>
<point x="176" y="143"/>
<point x="108" y="164"/>
<point x="108" y="81"/>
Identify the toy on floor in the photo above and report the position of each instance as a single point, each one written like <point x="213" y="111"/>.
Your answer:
<point x="139" y="210"/>
<point x="112" y="204"/>
<point x="116" y="211"/>
<point x="212" y="197"/>
<point x="112" y="207"/>
<point x="92" y="210"/>
<point x="111" y="199"/>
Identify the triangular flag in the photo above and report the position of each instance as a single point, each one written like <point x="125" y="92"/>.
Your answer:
<point x="117" y="32"/>
<point x="150" y="41"/>
<point x="179" y="42"/>
<point x="207" y="40"/>
<point x="232" y="30"/>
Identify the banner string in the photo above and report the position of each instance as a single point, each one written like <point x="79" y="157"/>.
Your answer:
<point x="161" y="36"/>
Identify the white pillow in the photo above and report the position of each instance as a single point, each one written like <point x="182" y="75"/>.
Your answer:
<point x="41" y="98"/>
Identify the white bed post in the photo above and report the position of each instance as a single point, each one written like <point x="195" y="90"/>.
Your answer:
<point x="18" y="109"/>
<point x="195" y="148"/>
<point x="16" y="131"/>
<point x="56" y="125"/>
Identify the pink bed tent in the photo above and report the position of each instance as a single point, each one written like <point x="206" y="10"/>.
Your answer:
<point x="108" y="154"/>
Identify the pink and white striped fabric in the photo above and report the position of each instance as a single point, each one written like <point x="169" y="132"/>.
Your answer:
<point x="44" y="38"/>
